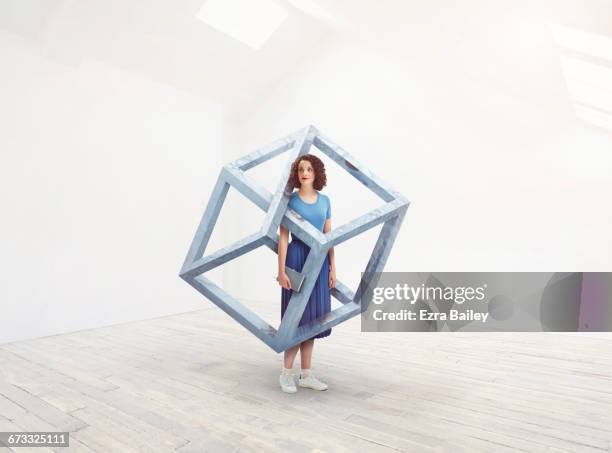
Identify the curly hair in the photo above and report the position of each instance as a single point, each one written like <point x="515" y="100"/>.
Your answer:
<point x="320" y="179"/>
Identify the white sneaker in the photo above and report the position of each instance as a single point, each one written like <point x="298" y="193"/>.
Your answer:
<point x="311" y="382"/>
<point x="287" y="383"/>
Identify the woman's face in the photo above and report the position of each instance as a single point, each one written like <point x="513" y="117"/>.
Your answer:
<point x="306" y="172"/>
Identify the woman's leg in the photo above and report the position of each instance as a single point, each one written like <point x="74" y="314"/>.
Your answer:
<point x="290" y="356"/>
<point x="306" y="348"/>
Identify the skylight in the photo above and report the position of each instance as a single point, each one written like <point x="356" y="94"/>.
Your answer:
<point x="587" y="65"/>
<point x="251" y="22"/>
<point x="582" y="41"/>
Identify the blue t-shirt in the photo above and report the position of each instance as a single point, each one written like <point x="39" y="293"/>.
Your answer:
<point x="316" y="213"/>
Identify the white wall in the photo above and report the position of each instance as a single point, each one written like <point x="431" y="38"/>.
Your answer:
<point x="108" y="155"/>
<point x="497" y="181"/>
<point x="104" y="175"/>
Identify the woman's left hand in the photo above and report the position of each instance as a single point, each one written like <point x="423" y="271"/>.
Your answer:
<point x="332" y="278"/>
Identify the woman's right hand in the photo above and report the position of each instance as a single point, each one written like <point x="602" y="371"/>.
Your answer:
<point x="283" y="280"/>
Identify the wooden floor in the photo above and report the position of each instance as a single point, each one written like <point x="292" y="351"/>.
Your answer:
<point x="198" y="382"/>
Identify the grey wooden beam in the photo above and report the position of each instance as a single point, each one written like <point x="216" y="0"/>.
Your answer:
<point x="275" y="205"/>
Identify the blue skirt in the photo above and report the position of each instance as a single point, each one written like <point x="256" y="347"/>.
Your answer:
<point x="319" y="302"/>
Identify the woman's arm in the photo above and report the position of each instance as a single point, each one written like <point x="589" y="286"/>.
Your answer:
<point x="332" y="260"/>
<point x="283" y="241"/>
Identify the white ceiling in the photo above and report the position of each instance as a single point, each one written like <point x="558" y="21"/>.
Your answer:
<point x="506" y="43"/>
<point x="162" y="40"/>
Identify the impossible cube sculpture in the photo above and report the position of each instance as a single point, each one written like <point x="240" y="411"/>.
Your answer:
<point x="275" y="205"/>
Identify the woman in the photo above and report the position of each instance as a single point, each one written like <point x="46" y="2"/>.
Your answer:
<point x="307" y="174"/>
